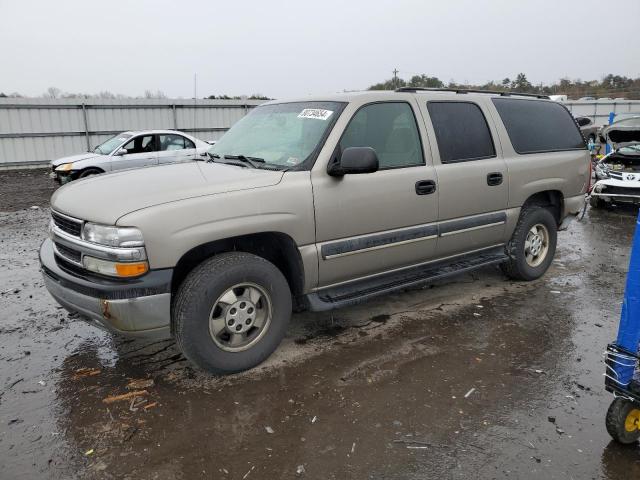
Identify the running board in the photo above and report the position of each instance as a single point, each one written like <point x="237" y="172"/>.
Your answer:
<point x="362" y="290"/>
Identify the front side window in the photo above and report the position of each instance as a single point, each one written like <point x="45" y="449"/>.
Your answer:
<point x="536" y="126"/>
<point x="141" y="144"/>
<point x="284" y="135"/>
<point x="461" y="130"/>
<point x="390" y="129"/>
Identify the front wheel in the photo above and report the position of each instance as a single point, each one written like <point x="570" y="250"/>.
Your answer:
<point x="231" y="312"/>
<point x="623" y="421"/>
<point x="90" y="171"/>
<point x="596" y="202"/>
<point x="532" y="245"/>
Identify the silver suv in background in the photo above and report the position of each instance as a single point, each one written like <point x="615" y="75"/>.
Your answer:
<point x="316" y="203"/>
<point x="130" y="150"/>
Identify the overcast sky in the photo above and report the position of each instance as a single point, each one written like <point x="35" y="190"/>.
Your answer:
<point x="299" y="47"/>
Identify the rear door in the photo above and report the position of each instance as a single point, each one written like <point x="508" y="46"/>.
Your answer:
<point x="472" y="176"/>
<point x="175" y="148"/>
<point x="141" y="151"/>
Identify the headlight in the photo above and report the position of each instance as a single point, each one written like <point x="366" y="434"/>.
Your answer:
<point x="112" y="236"/>
<point x="65" y="167"/>
<point x="602" y="171"/>
<point x="115" y="269"/>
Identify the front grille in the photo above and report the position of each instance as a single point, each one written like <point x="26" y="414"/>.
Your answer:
<point x="72" y="227"/>
<point x="69" y="267"/>
<point x="614" y="190"/>
<point x="69" y="253"/>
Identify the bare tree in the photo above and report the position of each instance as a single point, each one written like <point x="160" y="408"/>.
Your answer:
<point x="53" y="92"/>
<point x="156" y="94"/>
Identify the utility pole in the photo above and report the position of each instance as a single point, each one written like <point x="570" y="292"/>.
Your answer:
<point x="195" y="101"/>
<point x="395" y="77"/>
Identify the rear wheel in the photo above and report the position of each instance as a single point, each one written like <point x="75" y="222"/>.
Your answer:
<point x="231" y="312"/>
<point x="623" y="421"/>
<point x="532" y="245"/>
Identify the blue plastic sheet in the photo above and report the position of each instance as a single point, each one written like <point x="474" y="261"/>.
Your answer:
<point x="629" y="329"/>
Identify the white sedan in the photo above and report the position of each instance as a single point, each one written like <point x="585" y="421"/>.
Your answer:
<point x="618" y="173"/>
<point x="131" y="150"/>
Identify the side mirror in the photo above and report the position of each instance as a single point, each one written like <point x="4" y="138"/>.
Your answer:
<point x="120" y="152"/>
<point x="355" y="160"/>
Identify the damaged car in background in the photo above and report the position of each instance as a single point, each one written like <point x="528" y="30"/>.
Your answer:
<point x="131" y="150"/>
<point x="618" y="173"/>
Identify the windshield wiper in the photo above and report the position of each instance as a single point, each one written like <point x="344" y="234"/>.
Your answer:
<point x="253" y="161"/>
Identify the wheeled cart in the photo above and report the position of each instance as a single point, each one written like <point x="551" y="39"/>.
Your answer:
<point x="622" y="375"/>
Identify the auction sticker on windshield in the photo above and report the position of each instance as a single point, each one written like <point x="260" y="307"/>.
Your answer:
<point x="317" y="113"/>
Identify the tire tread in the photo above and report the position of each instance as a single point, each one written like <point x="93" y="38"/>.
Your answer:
<point x="188" y="291"/>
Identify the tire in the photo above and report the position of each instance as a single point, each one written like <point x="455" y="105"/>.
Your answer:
<point x="596" y="202"/>
<point x="203" y="304"/>
<point x="519" y="266"/>
<point x="622" y="421"/>
<point x="89" y="171"/>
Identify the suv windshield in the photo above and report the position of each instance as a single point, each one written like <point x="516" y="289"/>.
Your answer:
<point x="283" y="134"/>
<point x="110" y="145"/>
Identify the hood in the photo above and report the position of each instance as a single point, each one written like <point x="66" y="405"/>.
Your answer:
<point x="623" y="132"/>
<point x="105" y="198"/>
<point x="75" y="158"/>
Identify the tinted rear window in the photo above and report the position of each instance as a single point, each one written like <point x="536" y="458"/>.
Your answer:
<point x="538" y="126"/>
<point x="461" y="131"/>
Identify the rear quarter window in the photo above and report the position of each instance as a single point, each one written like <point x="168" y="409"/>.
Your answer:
<point x="536" y="126"/>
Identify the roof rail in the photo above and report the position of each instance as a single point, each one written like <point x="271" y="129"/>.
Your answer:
<point x="469" y="90"/>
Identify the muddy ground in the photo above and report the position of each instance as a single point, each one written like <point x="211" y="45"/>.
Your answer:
<point x="473" y="378"/>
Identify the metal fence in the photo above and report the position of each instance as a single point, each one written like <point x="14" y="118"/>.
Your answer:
<point x="599" y="110"/>
<point x="34" y="131"/>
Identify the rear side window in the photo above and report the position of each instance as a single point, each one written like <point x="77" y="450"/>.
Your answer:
<point x="536" y="126"/>
<point x="461" y="130"/>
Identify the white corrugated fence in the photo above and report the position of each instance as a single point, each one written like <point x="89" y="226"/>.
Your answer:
<point x="599" y="110"/>
<point x="36" y="130"/>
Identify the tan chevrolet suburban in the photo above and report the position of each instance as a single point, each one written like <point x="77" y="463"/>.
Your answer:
<point x="316" y="203"/>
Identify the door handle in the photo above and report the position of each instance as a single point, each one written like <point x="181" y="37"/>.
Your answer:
<point x="425" y="187"/>
<point x="494" y="179"/>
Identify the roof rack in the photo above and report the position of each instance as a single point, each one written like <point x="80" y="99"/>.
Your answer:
<point x="469" y="90"/>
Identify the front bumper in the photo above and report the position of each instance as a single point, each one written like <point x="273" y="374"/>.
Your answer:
<point x="136" y="307"/>
<point x="61" y="177"/>
<point x="617" y="191"/>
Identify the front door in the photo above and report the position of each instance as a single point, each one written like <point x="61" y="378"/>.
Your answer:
<point x="175" y="148"/>
<point x="371" y="223"/>
<point x="472" y="177"/>
<point x="141" y="151"/>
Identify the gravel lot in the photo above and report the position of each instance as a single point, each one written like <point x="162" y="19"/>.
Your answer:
<point x="473" y="378"/>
